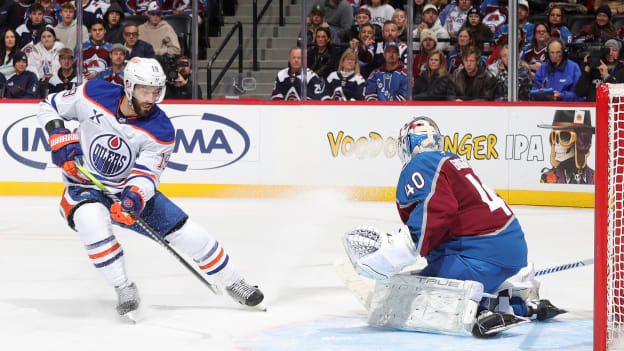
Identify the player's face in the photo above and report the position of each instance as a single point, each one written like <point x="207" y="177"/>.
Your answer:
<point x="97" y="32"/>
<point x="362" y="18"/>
<point x="131" y="35"/>
<point x="118" y="57"/>
<point x="390" y="32"/>
<point x="144" y="98"/>
<point x="295" y="60"/>
<point x="349" y="63"/>
<point x="434" y="62"/>
<point x="9" y="39"/>
<point x="113" y="18"/>
<point x="36" y="17"/>
<point x="47" y="39"/>
<point x="602" y="19"/>
<point x="67" y="15"/>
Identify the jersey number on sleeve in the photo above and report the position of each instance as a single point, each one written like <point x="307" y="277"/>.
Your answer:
<point x="418" y="182"/>
<point x="488" y="196"/>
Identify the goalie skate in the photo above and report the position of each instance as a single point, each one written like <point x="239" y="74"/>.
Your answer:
<point x="488" y="323"/>
<point x="128" y="302"/>
<point x="245" y="294"/>
<point x="543" y="310"/>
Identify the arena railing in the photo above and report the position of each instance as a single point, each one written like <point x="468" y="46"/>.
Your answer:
<point x="238" y="52"/>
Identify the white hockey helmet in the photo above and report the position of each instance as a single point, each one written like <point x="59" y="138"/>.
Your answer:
<point x="145" y="71"/>
<point x="419" y="135"/>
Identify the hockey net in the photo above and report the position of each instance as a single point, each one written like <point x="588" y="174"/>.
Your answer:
<point x="609" y="219"/>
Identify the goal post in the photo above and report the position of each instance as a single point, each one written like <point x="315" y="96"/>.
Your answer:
<point x="609" y="218"/>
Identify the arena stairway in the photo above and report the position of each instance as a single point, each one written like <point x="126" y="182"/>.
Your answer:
<point x="274" y="43"/>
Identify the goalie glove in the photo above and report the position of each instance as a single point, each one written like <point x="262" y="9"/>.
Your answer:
<point x="378" y="255"/>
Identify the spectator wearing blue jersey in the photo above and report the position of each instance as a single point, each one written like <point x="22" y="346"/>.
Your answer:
<point x="346" y="84"/>
<point x="523" y="22"/>
<point x="558" y="73"/>
<point x="388" y="82"/>
<point x="287" y="84"/>
<point x="23" y="84"/>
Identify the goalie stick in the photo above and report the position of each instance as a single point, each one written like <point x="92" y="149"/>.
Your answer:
<point x="152" y="233"/>
<point x="564" y="267"/>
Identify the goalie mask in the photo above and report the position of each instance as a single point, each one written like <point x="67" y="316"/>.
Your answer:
<point x="571" y="136"/>
<point x="419" y="135"/>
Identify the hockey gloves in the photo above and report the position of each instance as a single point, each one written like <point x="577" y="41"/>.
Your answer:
<point x="130" y="206"/>
<point x="65" y="147"/>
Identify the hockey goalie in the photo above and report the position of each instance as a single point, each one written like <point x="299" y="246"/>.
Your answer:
<point x="476" y="281"/>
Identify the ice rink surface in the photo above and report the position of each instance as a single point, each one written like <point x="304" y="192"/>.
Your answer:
<point x="52" y="298"/>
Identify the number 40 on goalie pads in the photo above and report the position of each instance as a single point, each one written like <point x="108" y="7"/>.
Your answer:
<point x="429" y="304"/>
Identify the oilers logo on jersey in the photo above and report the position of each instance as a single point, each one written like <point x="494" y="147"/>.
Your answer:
<point x="110" y="155"/>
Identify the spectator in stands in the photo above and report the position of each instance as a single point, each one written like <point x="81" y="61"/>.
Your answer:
<point x="616" y="6"/>
<point x="556" y="21"/>
<point x="23" y="84"/>
<point x="609" y="70"/>
<point x="159" y="33"/>
<point x="43" y="59"/>
<point x="535" y="52"/>
<point x="380" y="11"/>
<point x="481" y="34"/>
<point x="428" y="43"/>
<point x="364" y="47"/>
<point x="92" y="9"/>
<point x="288" y="81"/>
<point x="472" y="82"/>
<point x="339" y="15"/>
<point x="29" y="33"/>
<point x="346" y="83"/>
<point x="418" y="9"/>
<point x="390" y="37"/>
<point x="431" y="21"/>
<point x="66" y="29"/>
<point x="8" y="49"/>
<point x="51" y="12"/>
<point x="135" y="46"/>
<point x="65" y="77"/>
<point x="137" y="7"/>
<point x="114" y="29"/>
<point x="558" y="73"/>
<point x="114" y="74"/>
<point x="399" y="19"/>
<point x="96" y="52"/>
<point x="523" y="21"/>
<point x="316" y="20"/>
<point x="362" y="17"/>
<point x="432" y="83"/>
<point x="323" y="56"/>
<point x="602" y="29"/>
<point x="499" y="70"/>
<point x="10" y="15"/>
<point x="182" y="86"/>
<point x="454" y="16"/>
<point x="455" y="56"/>
<point x="388" y="82"/>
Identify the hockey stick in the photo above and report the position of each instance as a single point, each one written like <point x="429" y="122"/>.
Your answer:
<point x="564" y="267"/>
<point x="152" y="233"/>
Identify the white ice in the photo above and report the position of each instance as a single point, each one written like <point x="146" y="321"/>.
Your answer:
<point x="52" y="298"/>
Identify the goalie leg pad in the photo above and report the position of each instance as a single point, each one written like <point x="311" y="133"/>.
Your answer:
<point x="429" y="304"/>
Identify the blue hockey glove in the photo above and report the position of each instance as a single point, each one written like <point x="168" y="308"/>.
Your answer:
<point x="130" y="205"/>
<point x="65" y="147"/>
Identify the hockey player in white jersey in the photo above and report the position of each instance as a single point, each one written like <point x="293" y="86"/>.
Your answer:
<point x="124" y="139"/>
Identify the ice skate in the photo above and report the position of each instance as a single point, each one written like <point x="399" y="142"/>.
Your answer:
<point x="543" y="310"/>
<point x="489" y="324"/>
<point x="128" y="302"/>
<point x="246" y="294"/>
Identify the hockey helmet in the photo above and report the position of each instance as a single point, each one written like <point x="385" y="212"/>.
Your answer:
<point x="144" y="71"/>
<point x="419" y="135"/>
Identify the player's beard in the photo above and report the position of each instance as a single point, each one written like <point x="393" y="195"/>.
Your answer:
<point x="139" y="109"/>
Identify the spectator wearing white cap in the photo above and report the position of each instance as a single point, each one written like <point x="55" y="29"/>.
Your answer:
<point x="158" y="32"/>
<point x="608" y="69"/>
<point x="431" y="22"/>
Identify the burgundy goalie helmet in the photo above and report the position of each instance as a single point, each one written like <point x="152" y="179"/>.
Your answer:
<point x="421" y="134"/>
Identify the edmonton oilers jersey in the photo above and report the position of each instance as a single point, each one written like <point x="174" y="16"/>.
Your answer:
<point x="118" y="150"/>
<point x="448" y="210"/>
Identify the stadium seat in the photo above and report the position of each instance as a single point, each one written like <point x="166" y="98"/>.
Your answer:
<point x="136" y="19"/>
<point x="182" y="26"/>
<point x="537" y="18"/>
<point x="577" y="22"/>
<point x="618" y="21"/>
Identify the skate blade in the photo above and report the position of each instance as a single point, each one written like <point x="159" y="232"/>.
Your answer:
<point x="260" y="307"/>
<point x="129" y="318"/>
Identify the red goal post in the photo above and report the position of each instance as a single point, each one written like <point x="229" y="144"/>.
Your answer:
<point x="609" y="218"/>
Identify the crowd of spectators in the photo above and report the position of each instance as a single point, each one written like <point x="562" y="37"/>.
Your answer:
<point x="39" y="48"/>
<point x="461" y="50"/>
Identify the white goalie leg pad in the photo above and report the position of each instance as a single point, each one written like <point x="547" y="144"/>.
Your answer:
<point x="428" y="304"/>
<point x="378" y="255"/>
<point x="92" y="221"/>
<point x="195" y="241"/>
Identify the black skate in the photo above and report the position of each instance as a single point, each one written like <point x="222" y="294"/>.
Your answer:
<point x="488" y="323"/>
<point x="246" y="294"/>
<point x="543" y="310"/>
<point x="128" y="302"/>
